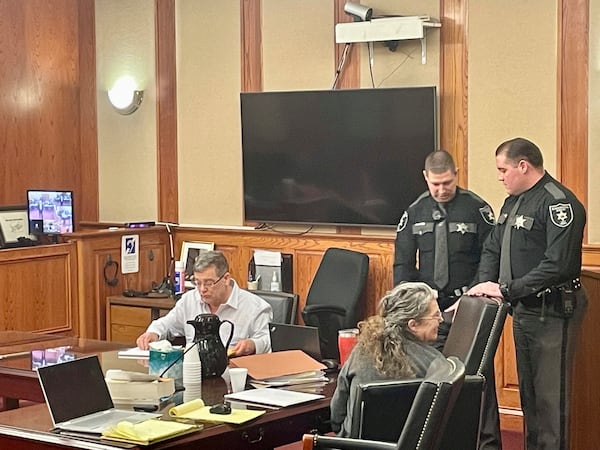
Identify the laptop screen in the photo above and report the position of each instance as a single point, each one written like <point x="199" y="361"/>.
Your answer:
<point x="74" y="389"/>
<point x="295" y="337"/>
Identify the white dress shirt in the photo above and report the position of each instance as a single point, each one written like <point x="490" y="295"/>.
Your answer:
<point x="249" y="313"/>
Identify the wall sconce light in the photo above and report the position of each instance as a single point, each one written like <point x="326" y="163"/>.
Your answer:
<point x="124" y="96"/>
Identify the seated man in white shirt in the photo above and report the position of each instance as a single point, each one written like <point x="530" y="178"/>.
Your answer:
<point x="217" y="293"/>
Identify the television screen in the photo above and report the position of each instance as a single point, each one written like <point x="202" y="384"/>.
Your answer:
<point x="50" y="212"/>
<point x="351" y="157"/>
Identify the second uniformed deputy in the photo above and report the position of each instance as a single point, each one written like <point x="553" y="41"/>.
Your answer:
<point x="532" y="259"/>
<point x="444" y="229"/>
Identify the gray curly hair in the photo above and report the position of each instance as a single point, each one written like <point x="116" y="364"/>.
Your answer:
<point x="384" y="334"/>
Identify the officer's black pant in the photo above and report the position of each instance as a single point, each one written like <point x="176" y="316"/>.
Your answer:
<point x="544" y="347"/>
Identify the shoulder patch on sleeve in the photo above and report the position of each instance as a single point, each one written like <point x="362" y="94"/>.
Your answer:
<point x="555" y="191"/>
<point x="487" y="214"/>
<point x="561" y="214"/>
<point x="403" y="222"/>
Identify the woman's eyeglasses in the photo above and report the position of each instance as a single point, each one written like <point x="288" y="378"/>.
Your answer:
<point x="437" y="316"/>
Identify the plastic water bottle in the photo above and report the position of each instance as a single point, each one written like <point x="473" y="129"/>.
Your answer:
<point x="274" y="282"/>
<point x="179" y="277"/>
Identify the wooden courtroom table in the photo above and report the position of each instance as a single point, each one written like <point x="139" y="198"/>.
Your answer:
<point x="29" y="427"/>
<point x="17" y="378"/>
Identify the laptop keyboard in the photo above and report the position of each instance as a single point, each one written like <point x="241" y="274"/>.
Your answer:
<point x="103" y="421"/>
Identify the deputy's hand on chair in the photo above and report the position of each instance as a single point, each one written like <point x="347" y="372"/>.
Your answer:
<point x="487" y="288"/>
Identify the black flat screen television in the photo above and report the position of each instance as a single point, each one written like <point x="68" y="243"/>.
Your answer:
<point x="342" y="157"/>
<point x="50" y="212"/>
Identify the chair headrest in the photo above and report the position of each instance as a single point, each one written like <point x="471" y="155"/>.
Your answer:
<point x="476" y="331"/>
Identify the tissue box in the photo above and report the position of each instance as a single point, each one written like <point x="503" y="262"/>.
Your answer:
<point x="161" y="359"/>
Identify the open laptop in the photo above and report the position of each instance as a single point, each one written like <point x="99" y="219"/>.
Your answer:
<point x="295" y="337"/>
<point x="78" y="398"/>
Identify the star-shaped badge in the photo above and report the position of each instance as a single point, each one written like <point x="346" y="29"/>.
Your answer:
<point x="519" y="222"/>
<point x="461" y="228"/>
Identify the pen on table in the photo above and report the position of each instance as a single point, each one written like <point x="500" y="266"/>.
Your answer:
<point x="13" y="355"/>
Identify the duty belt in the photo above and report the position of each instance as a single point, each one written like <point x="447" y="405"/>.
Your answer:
<point x="571" y="285"/>
<point x="552" y="293"/>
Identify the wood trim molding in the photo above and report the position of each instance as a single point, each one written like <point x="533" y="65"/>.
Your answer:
<point x="166" y="111"/>
<point x="572" y="96"/>
<point x="453" y="84"/>
<point x="349" y="77"/>
<point x="88" y="115"/>
<point x="251" y="45"/>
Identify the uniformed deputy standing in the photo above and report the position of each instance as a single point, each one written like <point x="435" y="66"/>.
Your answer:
<point x="446" y="226"/>
<point x="533" y="260"/>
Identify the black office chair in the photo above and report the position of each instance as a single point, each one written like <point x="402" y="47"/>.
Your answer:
<point x="433" y="403"/>
<point x="284" y="305"/>
<point x="333" y="300"/>
<point x="381" y="406"/>
<point x="476" y="332"/>
<point x="473" y="338"/>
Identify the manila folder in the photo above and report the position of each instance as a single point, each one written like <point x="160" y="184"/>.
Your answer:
<point x="277" y="364"/>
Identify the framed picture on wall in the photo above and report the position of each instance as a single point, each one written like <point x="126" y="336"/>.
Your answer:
<point x="13" y="225"/>
<point x="189" y="253"/>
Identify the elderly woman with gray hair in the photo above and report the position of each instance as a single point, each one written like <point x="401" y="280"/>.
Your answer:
<point x="394" y="344"/>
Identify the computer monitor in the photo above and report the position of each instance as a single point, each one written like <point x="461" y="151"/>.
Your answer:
<point x="50" y="212"/>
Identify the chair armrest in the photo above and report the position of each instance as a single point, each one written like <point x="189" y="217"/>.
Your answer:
<point x="311" y="441"/>
<point x="319" y="309"/>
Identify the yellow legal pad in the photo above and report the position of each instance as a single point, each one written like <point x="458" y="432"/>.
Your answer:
<point x="147" y="432"/>
<point x="196" y="410"/>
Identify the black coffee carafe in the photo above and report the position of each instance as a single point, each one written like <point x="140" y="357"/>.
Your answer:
<point x="213" y="354"/>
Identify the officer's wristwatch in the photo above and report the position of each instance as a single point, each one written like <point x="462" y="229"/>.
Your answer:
<point x="504" y="291"/>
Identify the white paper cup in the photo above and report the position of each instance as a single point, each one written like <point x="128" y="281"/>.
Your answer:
<point x="238" y="378"/>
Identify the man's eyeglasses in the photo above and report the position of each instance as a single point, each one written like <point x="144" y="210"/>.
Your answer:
<point x="208" y="283"/>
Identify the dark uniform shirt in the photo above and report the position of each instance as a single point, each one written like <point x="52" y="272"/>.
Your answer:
<point x="546" y="240"/>
<point x="469" y="220"/>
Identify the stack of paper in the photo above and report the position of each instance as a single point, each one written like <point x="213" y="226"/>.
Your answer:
<point x="147" y="432"/>
<point x="272" y="397"/>
<point x="310" y="377"/>
<point x="134" y="353"/>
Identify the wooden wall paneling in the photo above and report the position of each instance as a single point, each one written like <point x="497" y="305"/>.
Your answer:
<point x="166" y="111"/>
<point x="572" y="107"/>
<point x="350" y="74"/>
<point x="307" y="251"/>
<point x="40" y="291"/>
<point x="238" y="264"/>
<point x="251" y="45"/>
<point x="453" y="84"/>
<point x="507" y="383"/>
<point x="585" y="404"/>
<point x="591" y="255"/>
<point x="93" y="249"/>
<point x="40" y="99"/>
<point x="306" y="264"/>
<point x="88" y="120"/>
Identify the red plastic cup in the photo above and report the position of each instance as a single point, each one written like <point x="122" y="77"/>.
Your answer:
<point x="346" y="341"/>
